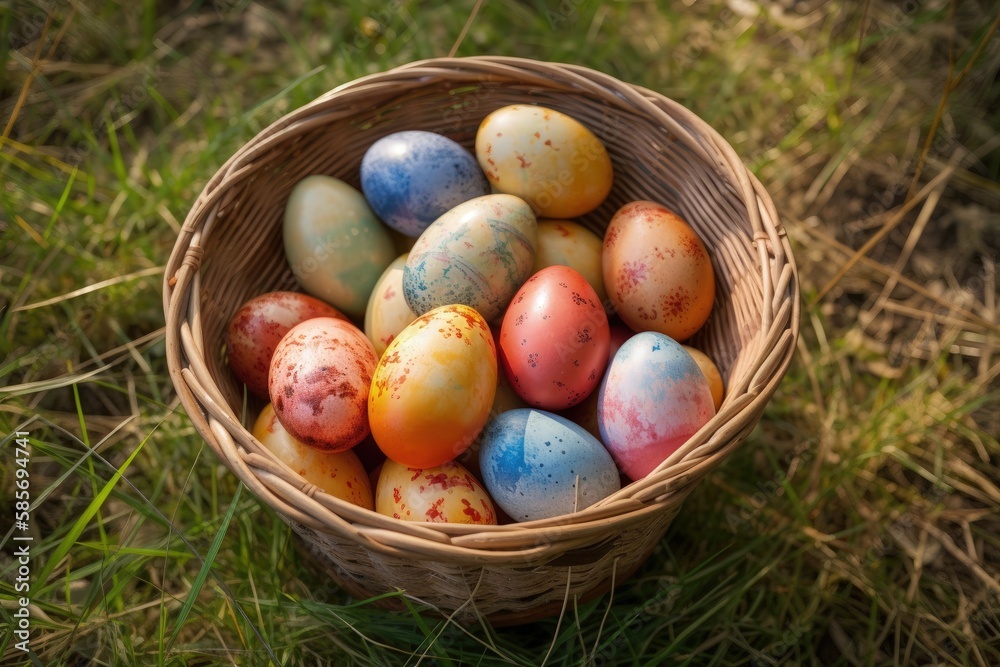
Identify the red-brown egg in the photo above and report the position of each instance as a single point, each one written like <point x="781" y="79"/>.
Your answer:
<point x="256" y="328"/>
<point x="657" y="271"/>
<point x="319" y="380"/>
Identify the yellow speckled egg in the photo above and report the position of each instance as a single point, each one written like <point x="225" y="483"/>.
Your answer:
<point x="432" y="389"/>
<point x="339" y="474"/>
<point x="447" y="493"/>
<point x="335" y="245"/>
<point x="571" y="244"/>
<point x="711" y="372"/>
<point x="545" y="157"/>
<point x="387" y="313"/>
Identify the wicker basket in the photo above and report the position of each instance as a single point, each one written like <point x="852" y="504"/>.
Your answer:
<point x="230" y="249"/>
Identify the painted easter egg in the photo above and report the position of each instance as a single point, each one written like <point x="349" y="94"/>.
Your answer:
<point x="657" y="271"/>
<point x="554" y="339"/>
<point x="538" y="465"/>
<point x="433" y="387"/>
<point x="447" y="493"/>
<point x="319" y="380"/>
<point x="339" y="474"/>
<point x="711" y="372"/>
<point x="412" y="178"/>
<point x="387" y="313"/>
<point x="335" y="245"/>
<point x="547" y="158"/>
<point x="571" y="244"/>
<point x="653" y="398"/>
<point x="477" y="254"/>
<point x="256" y="328"/>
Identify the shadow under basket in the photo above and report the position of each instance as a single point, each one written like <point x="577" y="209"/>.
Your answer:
<point x="230" y="249"/>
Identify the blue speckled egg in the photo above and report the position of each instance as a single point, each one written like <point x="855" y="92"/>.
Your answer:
<point x="653" y="398"/>
<point x="538" y="465"/>
<point x="412" y="178"/>
<point x="477" y="254"/>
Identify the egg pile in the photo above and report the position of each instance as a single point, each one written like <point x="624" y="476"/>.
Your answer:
<point x="511" y="365"/>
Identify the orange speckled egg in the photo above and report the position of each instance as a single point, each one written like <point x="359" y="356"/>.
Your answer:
<point x="387" y="313"/>
<point x="447" y="493"/>
<point x="432" y="389"/>
<point x="657" y="271"/>
<point x="571" y="244"/>
<point x="711" y="372"/>
<point x="548" y="159"/>
<point x="339" y="474"/>
<point x="319" y="380"/>
<point x="259" y="324"/>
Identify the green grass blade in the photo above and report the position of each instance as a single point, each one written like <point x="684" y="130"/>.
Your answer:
<point x="206" y="567"/>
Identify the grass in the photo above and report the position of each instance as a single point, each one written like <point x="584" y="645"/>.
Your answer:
<point x="856" y="526"/>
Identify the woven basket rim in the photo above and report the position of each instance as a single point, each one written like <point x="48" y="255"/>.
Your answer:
<point x="283" y="490"/>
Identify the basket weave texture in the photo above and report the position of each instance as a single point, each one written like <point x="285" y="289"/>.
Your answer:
<point x="230" y="250"/>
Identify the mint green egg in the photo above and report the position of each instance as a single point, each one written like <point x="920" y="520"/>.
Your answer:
<point x="336" y="246"/>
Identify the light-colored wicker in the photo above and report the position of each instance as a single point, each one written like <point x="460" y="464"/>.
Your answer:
<point x="230" y="249"/>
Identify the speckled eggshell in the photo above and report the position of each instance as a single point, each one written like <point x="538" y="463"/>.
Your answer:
<point x="447" y="493"/>
<point x="319" y="381"/>
<point x="412" y="178"/>
<point x="433" y="387"/>
<point x="547" y="158"/>
<point x="477" y="254"/>
<point x="387" y="313"/>
<point x="571" y="244"/>
<point x="653" y="398"/>
<point x="339" y="474"/>
<point x="657" y="271"/>
<point x="538" y="465"/>
<point x="256" y="328"/>
<point x="335" y="245"/>
<point x="554" y="339"/>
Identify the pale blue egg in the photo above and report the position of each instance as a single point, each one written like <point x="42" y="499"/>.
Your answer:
<point x="538" y="465"/>
<point x="412" y="178"/>
<point x="477" y="254"/>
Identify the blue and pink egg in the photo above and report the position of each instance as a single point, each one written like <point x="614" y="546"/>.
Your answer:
<point x="653" y="398"/>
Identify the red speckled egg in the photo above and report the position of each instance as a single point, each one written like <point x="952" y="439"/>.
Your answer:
<point x="657" y="271"/>
<point x="447" y="493"/>
<point x="554" y="339"/>
<point x="259" y="324"/>
<point x="339" y="474"/>
<point x="319" y="381"/>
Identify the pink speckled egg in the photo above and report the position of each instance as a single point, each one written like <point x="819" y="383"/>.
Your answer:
<point x="447" y="493"/>
<point x="653" y="398"/>
<point x="319" y="381"/>
<point x="256" y="328"/>
<point x="387" y="313"/>
<point x="554" y="339"/>
<point x="552" y="161"/>
<point x="339" y="474"/>
<point x="657" y="271"/>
